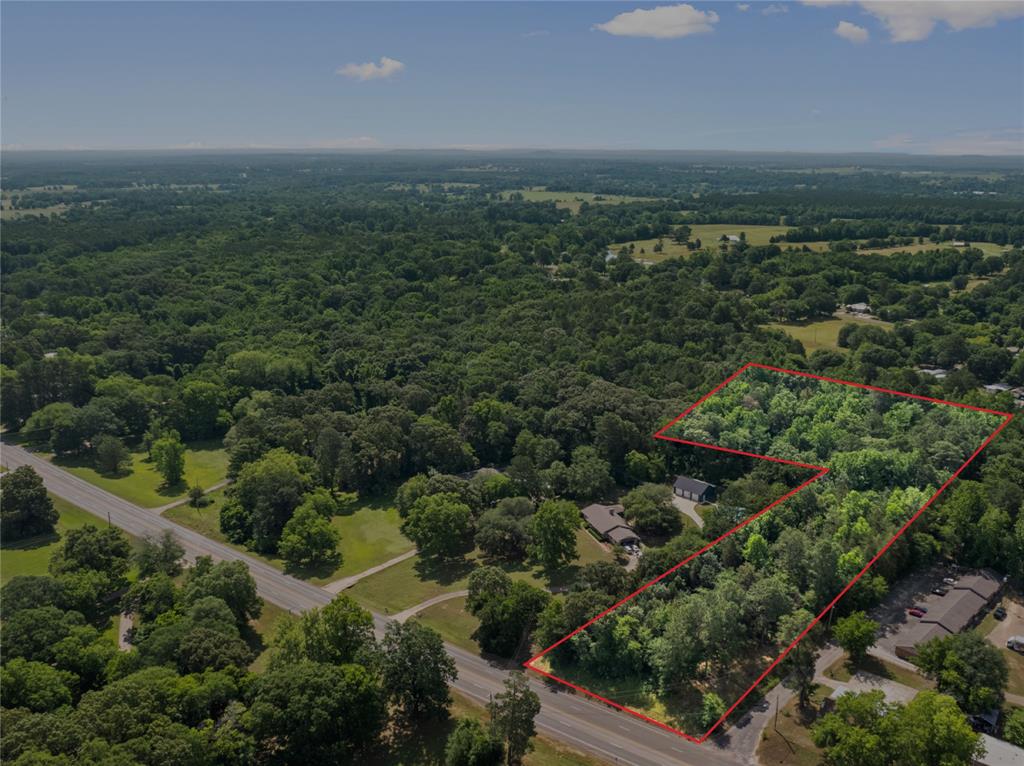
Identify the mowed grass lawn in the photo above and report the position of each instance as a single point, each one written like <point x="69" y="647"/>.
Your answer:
<point x="568" y="200"/>
<point x="262" y="632"/>
<point x="988" y="248"/>
<point x="206" y="463"/>
<point x="370" y="535"/>
<point x="840" y="670"/>
<point x="823" y="334"/>
<point x="1015" y="662"/>
<point x="453" y="622"/>
<point x="415" y="580"/>
<point x="791" y="742"/>
<point x="31" y="556"/>
<point x="710" y="235"/>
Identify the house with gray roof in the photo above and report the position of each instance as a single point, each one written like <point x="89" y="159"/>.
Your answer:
<point x="694" y="489"/>
<point x="609" y="523"/>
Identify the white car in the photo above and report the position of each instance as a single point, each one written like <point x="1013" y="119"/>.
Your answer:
<point x="1016" y="643"/>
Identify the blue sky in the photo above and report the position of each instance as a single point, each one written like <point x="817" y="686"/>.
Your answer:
<point x="918" y="77"/>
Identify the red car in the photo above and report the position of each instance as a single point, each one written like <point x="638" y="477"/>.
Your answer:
<point x="915" y="612"/>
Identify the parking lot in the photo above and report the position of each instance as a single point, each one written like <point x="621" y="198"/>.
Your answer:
<point x="1013" y="625"/>
<point x="914" y="590"/>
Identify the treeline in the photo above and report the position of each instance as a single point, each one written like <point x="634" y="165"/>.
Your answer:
<point x="184" y="691"/>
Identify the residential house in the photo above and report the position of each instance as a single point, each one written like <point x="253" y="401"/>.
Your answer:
<point x="609" y="523"/>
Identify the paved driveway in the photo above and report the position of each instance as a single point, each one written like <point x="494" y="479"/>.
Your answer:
<point x="1013" y="625"/>
<point x="688" y="508"/>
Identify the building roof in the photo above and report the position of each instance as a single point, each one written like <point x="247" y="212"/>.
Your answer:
<point x="955" y="611"/>
<point x="985" y="584"/>
<point x="997" y="388"/>
<point x="999" y="753"/>
<point x="622" y="534"/>
<point x="862" y="307"/>
<point x="688" y="484"/>
<point x="920" y="634"/>
<point x="604" y="518"/>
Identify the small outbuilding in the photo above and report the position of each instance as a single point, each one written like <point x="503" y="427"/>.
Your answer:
<point x="694" y="489"/>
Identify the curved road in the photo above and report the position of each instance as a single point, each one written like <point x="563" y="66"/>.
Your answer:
<point x="575" y="720"/>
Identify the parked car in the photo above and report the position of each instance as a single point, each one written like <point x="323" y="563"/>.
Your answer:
<point x="949" y="580"/>
<point x="999" y="613"/>
<point x="1016" y="643"/>
<point x="922" y="607"/>
<point x="940" y="591"/>
<point x="913" y="612"/>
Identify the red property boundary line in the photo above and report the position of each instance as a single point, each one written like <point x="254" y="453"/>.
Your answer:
<point x="820" y="471"/>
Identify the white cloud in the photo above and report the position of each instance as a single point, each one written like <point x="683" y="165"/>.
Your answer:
<point x="851" y="32"/>
<point x="664" y="22"/>
<point x="537" y="33"/>
<point x="743" y="7"/>
<point x="773" y="9"/>
<point x="914" y="20"/>
<point x="387" y="67"/>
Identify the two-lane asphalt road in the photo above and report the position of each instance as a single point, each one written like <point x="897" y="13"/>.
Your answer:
<point x="589" y="726"/>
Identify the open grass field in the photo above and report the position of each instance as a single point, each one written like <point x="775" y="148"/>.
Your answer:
<point x="823" y="334"/>
<point x="571" y="200"/>
<point x="988" y="248"/>
<point x="31" y="556"/>
<point x="205" y="463"/>
<point x="370" y="535"/>
<point x="453" y="622"/>
<point x="709" y="235"/>
<point x="415" y="580"/>
<point x="9" y="214"/>
<point x="791" y="743"/>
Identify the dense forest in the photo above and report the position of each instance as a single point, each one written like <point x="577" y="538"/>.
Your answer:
<point x="356" y="325"/>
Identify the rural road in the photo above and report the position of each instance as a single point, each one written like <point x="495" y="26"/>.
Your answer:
<point x="579" y="722"/>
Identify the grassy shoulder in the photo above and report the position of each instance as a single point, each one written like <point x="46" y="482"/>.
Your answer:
<point x="1015" y="663"/>
<point x="370" y="535"/>
<point x="453" y="622"/>
<point x="787" y="740"/>
<point x="205" y="463"/>
<point x="31" y="555"/>
<point x="415" y="580"/>
<point x="262" y="631"/>
<point x="425" y="746"/>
